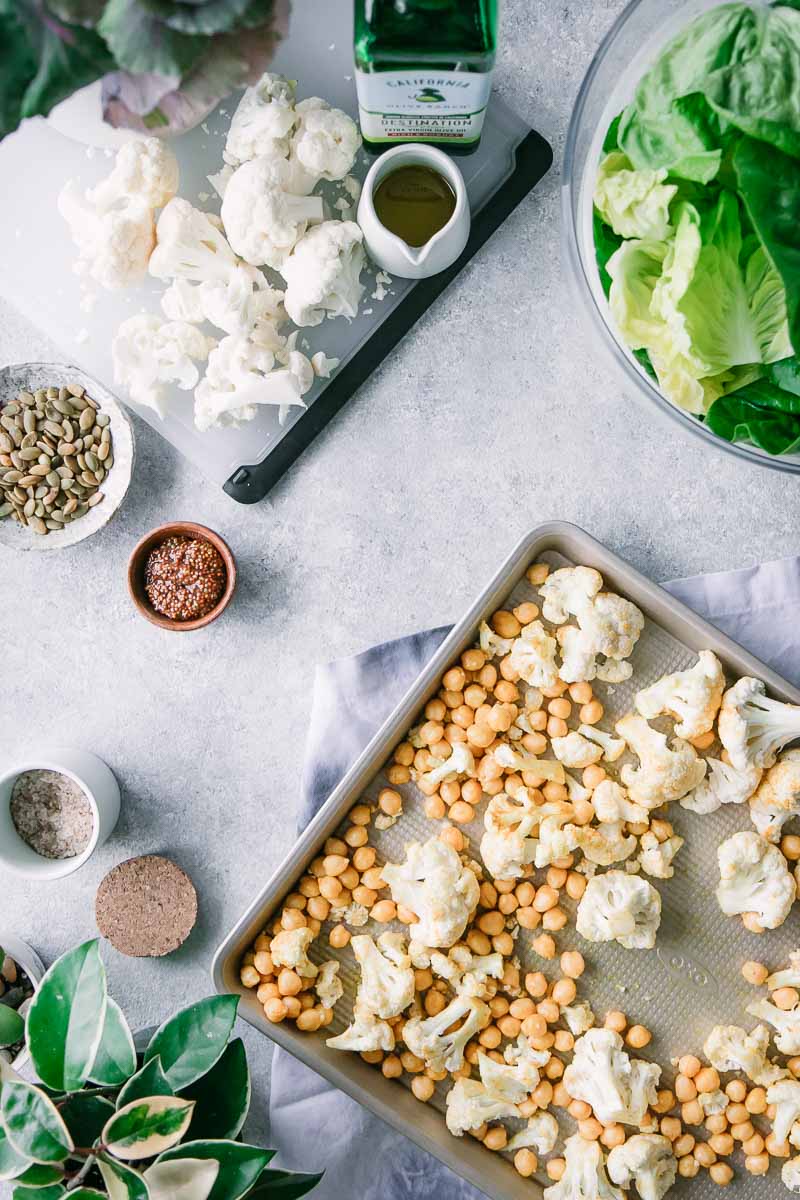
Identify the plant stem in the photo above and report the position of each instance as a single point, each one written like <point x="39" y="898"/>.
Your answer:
<point x="81" y="1175"/>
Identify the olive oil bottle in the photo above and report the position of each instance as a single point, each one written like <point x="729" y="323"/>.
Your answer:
<point x="424" y="70"/>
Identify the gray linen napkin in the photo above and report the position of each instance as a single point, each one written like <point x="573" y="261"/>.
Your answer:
<point x="314" y="1125"/>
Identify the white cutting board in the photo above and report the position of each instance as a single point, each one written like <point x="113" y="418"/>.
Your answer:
<point x="38" y="255"/>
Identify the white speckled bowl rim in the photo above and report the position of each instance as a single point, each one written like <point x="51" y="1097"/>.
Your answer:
<point x="29" y="376"/>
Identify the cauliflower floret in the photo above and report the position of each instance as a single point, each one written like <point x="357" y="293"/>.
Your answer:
<point x="713" y="1102"/>
<point x="517" y="760"/>
<point x="619" y="1088"/>
<point x="191" y="245"/>
<point x="729" y="1048"/>
<point x="575" y="791"/>
<point x="785" y="1095"/>
<point x="611" y="804"/>
<point x="508" y="846"/>
<point x="556" y="838"/>
<point x="470" y="1104"/>
<point x="691" y="697"/>
<point x="533" y="656"/>
<point x="578" y="656"/>
<point x="602" y="844"/>
<point x="434" y="884"/>
<point x="324" y="145"/>
<point x="789" y="976"/>
<point x="262" y="219"/>
<point x="492" y="645"/>
<point x="441" y="1047"/>
<point x="752" y="727"/>
<point x="622" y="908"/>
<point x="777" y="798"/>
<point x="244" y="303"/>
<point x="579" y="1017"/>
<point x="241" y="375"/>
<point x="790" y="1175"/>
<point x="289" y="948"/>
<point x="328" y="986"/>
<point x="614" y="625"/>
<point x="786" y="1023"/>
<point x="722" y="785"/>
<point x="322" y="273"/>
<point x="387" y="983"/>
<point x="574" y="750"/>
<point x="263" y="121"/>
<point x="585" y="1175"/>
<point x="366" y="1032"/>
<point x="145" y="168"/>
<point x="613" y="748"/>
<point x="149" y="353"/>
<point x="460" y="762"/>
<point x="656" y="857"/>
<point x="568" y="591"/>
<point x="754" y="878"/>
<point x="468" y="973"/>
<point x="541" y="1132"/>
<point x="513" y="1081"/>
<point x="665" y="772"/>
<point x="647" y="1160"/>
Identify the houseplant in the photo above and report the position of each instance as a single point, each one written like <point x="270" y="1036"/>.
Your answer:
<point x="106" y="1121"/>
<point x="20" y="972"/>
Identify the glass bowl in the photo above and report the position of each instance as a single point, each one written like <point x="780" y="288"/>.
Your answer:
<point x="624" y="55"/>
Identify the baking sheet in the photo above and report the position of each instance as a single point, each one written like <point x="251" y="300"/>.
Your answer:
<point x="689" y="982"/>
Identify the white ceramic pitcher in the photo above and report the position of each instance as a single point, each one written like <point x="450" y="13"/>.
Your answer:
<point x="389" y="251"/>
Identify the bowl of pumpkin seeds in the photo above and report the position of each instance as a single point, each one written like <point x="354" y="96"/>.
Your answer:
<point x="66" y="456"/>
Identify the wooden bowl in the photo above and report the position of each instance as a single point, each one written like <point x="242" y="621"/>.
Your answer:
<point x="138" y="562"/>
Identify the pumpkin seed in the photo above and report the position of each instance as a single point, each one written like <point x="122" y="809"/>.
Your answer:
<point x="41" y="470"/>
<point x="29" y="453"/>
<point x="26" y="399"/>
<point x="18" y="462"/>
<point x="54" y="428"/>
<point x="11" y="409"/>
<point x="103" y="419"/>
<point x="96" y="499"/>
<point x="53" y="525"/>
<point x="37" y="525"/>
<point x="69" y="430"/>
<point x="103" y="451"/>
<point x="86" y="420"/>
<point x="28" y="481"/>
<point x="12" y="476"/>
<point x="71" y="505"/>
<point x="63" y="405"/>
<point x="30" y="508"/>
<point x="5" y="509"/>
<point x="6" y="444"/>
<point x="92" y="461"/>
<point x="29" y="420"/>
<point x="66" y="448"/>
<point x="76" y="389"/>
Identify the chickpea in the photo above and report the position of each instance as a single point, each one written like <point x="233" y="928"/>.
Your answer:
<point x="491" y="923"/>
<point x="390" y="802"/>
<point x="453" y="837"/>
<point x="689" y="1065"/>
<point x="722" y="1144"/>
<point x="507" y="692"/>
<point x="616" y="1020"/>
<point x="422" y="1087"/>
<point x="591" y="713"/>
<point x="775" y="1148"/>
<point x="736" y="1090"/>
<point x="716" y="1123"/>
<point x="361" y="814"/>
<point x="544" y="945"/>
<point x="555" y="1168"/>
<point x="339" y="937"/>
<point x="550" y="1010"/>
<point x="703" y="740"/>
<point x="665" y="1100"/>
<point x="704" y="1154"/>
<point x="487" y="677"/>
<point x="564" y="991"/>
<point x="534" y="1026"/>
<point x="509" y="1027"/>
<point x="692" y="1112"/>
<point x="398" y="774"/>
<point x="546" y="897"/>
<point x="508" y="904"/>
<point x="575" y="885"/>
<point x="265" y="992"/>
<point x="753" y="1145"/>
<point x="275" y="1010"/>
<point x="490" y="1037"/>
<point x="736" y="1112"/>
<point x="757" y="1164"/>
<point x="572" y="964"/>
<point x="524" y="893"/>
<point x="349" y="878"/>
<point x="790" y="846"/>
<point x="751" y="922"/>
<point x="461" y="812"/>
<point x="503" y="944"/>
<point x="335" y="864"/>
<point x="508" y="671"/>
<point x="454" y="679"/>
<point x="525" y="1163"/>
<point x="372" y="878"/>
<point x="685" y="1088"/>
<point x="688" y="1167"/>
<point x="250" y="976"/>
<point x="706" y="1080"/>
<point x="309" y="1020"/>
<point x="480" y="736"/>
<point x="434" y="808"/>
<point x="383" y="911"/>
<point x="552" y="791"/>
<point x="683" y="1145"/>
<point x="292" y="918"/>
<point x="478" y="942"/>
<point x="564" y="1041"/>
<point x="721" y="1173"/>
<point x="756" y="1101"/>
<point x="786" y="998"/>
<point x="505" y="624"/>
<point x="329" y="887"/>
<point x="557" y="727"/>
<point x="671" y="1128"/>
<point x="590" y="1129"/>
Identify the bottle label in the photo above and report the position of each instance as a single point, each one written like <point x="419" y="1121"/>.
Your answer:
<point x="423" y="105"/>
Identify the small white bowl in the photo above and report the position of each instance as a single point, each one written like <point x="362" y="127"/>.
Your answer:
<point x="94" y="778"/>
<point x="33" y="967"/>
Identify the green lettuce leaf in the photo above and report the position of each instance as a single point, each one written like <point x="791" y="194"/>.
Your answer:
<point x="634" y="203"/>
<point x="736" y="418"/>
<point x="606" y="243"/>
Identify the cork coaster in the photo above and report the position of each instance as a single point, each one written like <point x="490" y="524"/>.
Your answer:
<point x="146" y="906"/>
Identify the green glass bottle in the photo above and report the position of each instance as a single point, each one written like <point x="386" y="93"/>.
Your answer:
<point x="424" y="70"/>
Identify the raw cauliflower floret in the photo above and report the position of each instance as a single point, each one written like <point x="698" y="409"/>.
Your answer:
<point x="145" y="168"/>
<point x="533" y="656"/>
<point x="785" y="1095"/>
<point x="367" y="1032"/>
<point x="622" y="908"/>
<point x="149" y="353"/>
<point x="441" y="1047"/>
<point x="492" y="645"/>
<point x="263" y="121"/>
<point x="578" y="656"/>
<point x="574" y="750"/>
<point x="461" y="761"/>
<point x="518" y="760"/>
<point x="241" y="375"/>
<point x="328" y="986"/>
<point x="618" y="1087"/>
<point x="722" y="785"/>
<point x="263" y="219"/>
<point x="786" y="1023"/>
<point x="752" y="727"/>
<point x="289" y="948"/>
<point x="556" y="837"/>
<point x="611" y="804"/>
<point x="541" y="1132"/>
<point x="613" y="748"/>
<point x="777" y="798"/>
<point x="567" y="592"/>
<point x="579" y="1017"/>
<point x="434" y="884"/>
<point x="656" y="857"/>
<point x="470" y="1104"/>
<point x="754" y="878"/>
<point x="790" y="1175"/>
<point x="789" y="976"/>
<point x="469" y="974"/>
<point x="665" y="772"/>
<point x="614" y="625"/>
<point x="585" y="1176"/>
<point x="324" y="144"/>
<point x="691" y="697"/>
<point x="729" y="1048"/>
<point x="387" y="977"/>
<point x="514" y="1081"/>
<point x="508" y="846"/>
<point x="647" y="1160"/>
<point x="602" y="844"/>
<point x="323" y="272"/>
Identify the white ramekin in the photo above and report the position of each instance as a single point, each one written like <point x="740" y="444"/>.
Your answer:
<point x="91" y="775"/>
<point x="33" y="967"/>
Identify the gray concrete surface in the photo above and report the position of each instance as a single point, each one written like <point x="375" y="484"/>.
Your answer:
<point x="492" y="416"/>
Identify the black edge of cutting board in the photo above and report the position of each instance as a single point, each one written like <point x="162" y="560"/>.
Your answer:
<point x="249" y="484"/>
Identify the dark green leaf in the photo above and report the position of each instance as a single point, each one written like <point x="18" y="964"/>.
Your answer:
<point x="240" y="1165"/>
<point x="764" y="394"/>
<point x="69" y="57"/>
<point x="66" y="1017"/>
<point x="116" y="1057"/>
<point x="150" y="1081"/>
<point x="17" y="65"/>
<point x="785" y="373"/>
<point x="122" y="1182"/>
<point x="606" y="243"/>
<point x="145" y="1128"/>
<point x="189" y="1043"/>
<point x="33" y="1124"/>
<point x="12" y="1026"/>
<point x="222" y="1096"/>
<point x="769" y="183"/>
<point x="643" y="357"/>
<point x="735" y="420"/>
<point x="12" y="1163"/>
<point x="141" y="43"/>
<point x="85" y="1117"/>
<point x="610" y="140"/>
<point x="39" y="1175"/>
<point x="54" y="1192"/>
<point x="77" y="12"/>
<point x="215" y="16"/>
<point x="283" y="1185"/>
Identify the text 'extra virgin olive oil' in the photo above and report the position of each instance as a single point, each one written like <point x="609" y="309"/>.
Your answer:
<point x="414" y="202"/>
<point x="424" y="70"/>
